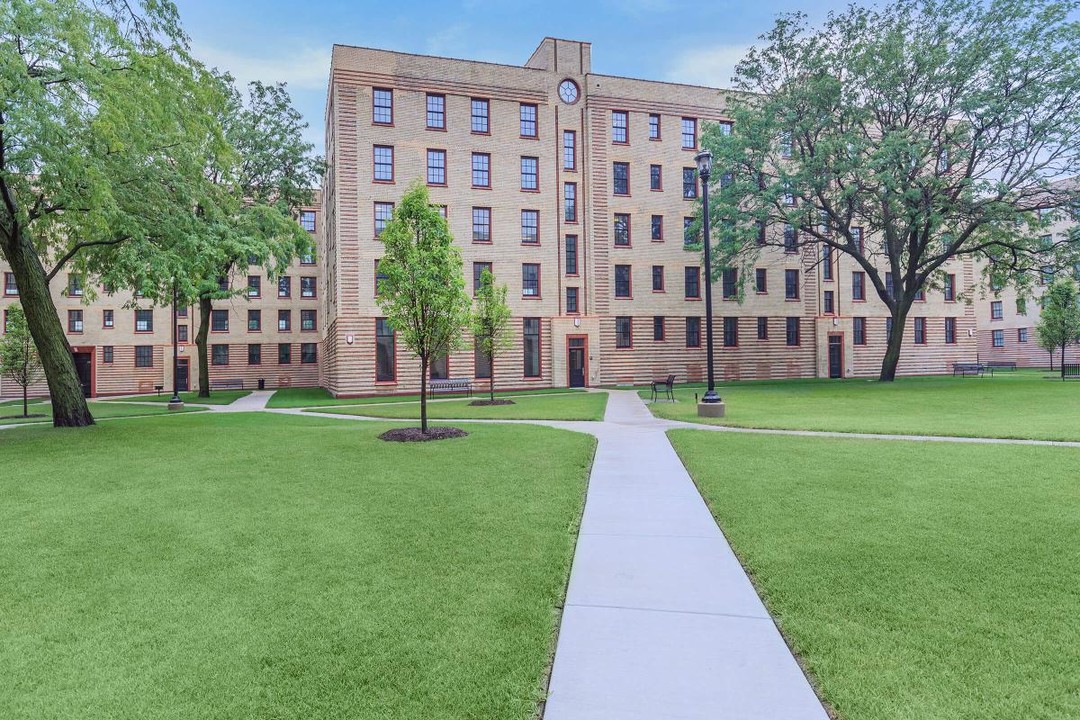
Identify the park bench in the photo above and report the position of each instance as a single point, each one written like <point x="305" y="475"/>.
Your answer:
<point x="965" y="369"/>
<point x="666" y="386"/>
<point x="450" y="385"/>
<point x="158" y="389"/>
<point x="1070" y="372"/>
<point x="235" y="384"/>
<point x="1001" y="365"/>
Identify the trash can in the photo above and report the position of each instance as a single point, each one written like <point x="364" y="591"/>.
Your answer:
<point x="262" y="383"/>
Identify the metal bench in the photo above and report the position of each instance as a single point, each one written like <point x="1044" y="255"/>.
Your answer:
<point x="666" y="386"/>
<point x="1070" y="372"/>
<point x="1001" y="365"/>
<point x="965" y="369"/>
<point x="236" y="384"/>
<point x="450" y="385"/>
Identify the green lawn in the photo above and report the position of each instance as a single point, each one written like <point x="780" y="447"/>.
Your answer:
<point x="267" y="566"/>
<point x="11" y="414"/>
<point x="318" y="397"/>
<point x="576" y="406"/>
<point x="915" y="580"/>
<point x="1010" y="405"/>
<point x="217" y="397"/>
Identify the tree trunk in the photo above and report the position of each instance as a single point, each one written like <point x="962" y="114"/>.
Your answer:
<point x="1051" y="361"/>
<point x="205" y="306"/>
<point x="491" y="383"/>
<point x="25" y="401"/>
<point x="1062" y="361"/>
<point x="423" y="393"/>
<point x="892" y="350"/>
<point x="65" y="392"/>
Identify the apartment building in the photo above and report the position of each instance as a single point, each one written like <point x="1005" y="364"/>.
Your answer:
<point x="123" y="345"/>
<point x="574" y="188"/>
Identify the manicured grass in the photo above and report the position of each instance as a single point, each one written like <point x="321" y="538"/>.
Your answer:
<point x="217" y="397"/>
<point x="1009" y="405"/>
<point x="268" y="566"/>
<point x="318" y="397"/>
<point x="578" y="406"/>
<point x="12" y="414"/>
<point x="915" y="580"/>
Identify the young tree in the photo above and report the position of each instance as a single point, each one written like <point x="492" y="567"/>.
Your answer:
<point x="902" y="137"/>
<point x="106" y="124"/>
<point x="422" y="292"/>
<point x="19" y="361"/>
<point x="490" y="322"/>
<point x="1059" y="323"/>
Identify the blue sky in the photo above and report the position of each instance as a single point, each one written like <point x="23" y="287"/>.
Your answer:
<point x="290" y="41"/>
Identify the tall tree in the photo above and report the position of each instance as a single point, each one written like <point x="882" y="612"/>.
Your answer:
<point x="1059" y="322"/>
<point x="422" y="292"/>
<point x="490" y="322"/>
<point x="106" y="124"/>
<point x="19" y="361"/>
<point x="902" y="137"/>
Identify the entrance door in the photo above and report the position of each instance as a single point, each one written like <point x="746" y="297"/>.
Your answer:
<point x="83" y="362"/>
<point x="182" y="374"/>
<point x="575" y="361"/>
<point x="836" y="356"/>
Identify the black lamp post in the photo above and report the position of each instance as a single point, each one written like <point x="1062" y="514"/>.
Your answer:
<point x="704" y="166"/>
<point x="175" y="401"/>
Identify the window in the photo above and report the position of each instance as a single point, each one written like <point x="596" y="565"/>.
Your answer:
<point x="570" y="202"/>
<point x="284" y="320"/>
<point x="436" y="167"/>
<point x="74" y="286"/>
<point x="144" y="321"/>
<point x="689" y="183"/>
<point x="689" y="237"/>
<point x="1021" y="306"/>
<point x="763" y="328"/>
<point x="761" y="237"/>
<point x="826" y="262"/>
<point x="791" y="238"/>
<point x="622" y="281"/>
<point x="569" y="150"/>
<point x="785" y="145"/>
<point x="307" y="287"/>
<point x="309" y="353"/>
<point x="730" y="283"/>
<point x="1022" y="335"/>
<point x="920" y="330"/>
<point x="999" y="338"/>
<point x="75" y="321"/>
<point x="658" y="332"/>
<point x="920" y="295"/>
<point x="254" y="354"/>
<point x="857" y="238"/>
<point x="222" y="283"/>
<point x="890" y="285"/>
<point x="571" y="300"/>
<point x="996" y="312"/>
<point x="888" y="329"/>
<point x="284" y="353"/>
<point x="624" y="333"/>
<point x="793" y="337"/>
<point x="950" y="287"/>
<point x="658" y="278"/>
<point x="181" y="312"/>
<point x="620" y="172"/>
<point x="382" y="111"/>
<point x="144" y="356"/>
<point x="307" y="221"/>
<point x="384" y="163"/>
<point x="731" y="332"/>
<point x="182" y="333"/>
<point x="692" y="282"/>
<point x="481" y="170"/>
<point x="478" y="269"/>
<point x="530" y="173"/>
<point x="858" y="330"/>
<point x="571" y="255"/>
<point x="10" y="288"/>
<point x="254" y="320"/>
<point x="254" y="286"/>
<point x="480" y="116"/>
<point x="481" y="363"/>
<point x="619" y="126"/>
<point x="828" y="303"/>
<point x="693" y="332"/>
<point x="858" y="285"/>
<point x="530" y="330"/>
<point x="284" y="286"/>
<point x="436" y="112"/>
<point x="528" y="120"/>
<point x="1047" y="275"/>
<point x="761" y="281"/>
<point x="385" y="352"/>
<point x="107" y="354"/>
<point x="219" y="321"/>
<point x="950" y="331"/>
<point x="530" y="280"/>
<point x="654" y="127"/>
<point x="622" y="230"/>
<point x="308" y="321"/>
<point x="658" y="227"/>
<point x="383" y="212"/>
<point x="219" y="354"/>
<point x="107" y="320"/>
<point x="689" y="134"/>
<point x="380" y="276"/>
<point x="791" y="284"/>
<point x="481" y="224"/>
<point x="656" y="177"/>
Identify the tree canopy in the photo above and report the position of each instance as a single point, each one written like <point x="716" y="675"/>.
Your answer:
<point x="1059" y="321"/>
<point x="490" y="321"/>
<point x="19" y="361"/>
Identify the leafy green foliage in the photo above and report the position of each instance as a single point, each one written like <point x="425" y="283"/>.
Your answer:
<point x="1059" y="321"/>
<point x="19" y="361"/>
<point x="490" y="321"/>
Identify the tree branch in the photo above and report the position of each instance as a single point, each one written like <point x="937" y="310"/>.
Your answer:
<point x="76" y="248"/>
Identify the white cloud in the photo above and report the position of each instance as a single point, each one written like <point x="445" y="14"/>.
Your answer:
<point x="302" y="69"/>
<point x="712" y="66"/>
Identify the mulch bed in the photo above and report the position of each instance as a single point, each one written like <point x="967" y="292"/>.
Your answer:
<point x="496" y="401"/>
<point x="414" y="434"/>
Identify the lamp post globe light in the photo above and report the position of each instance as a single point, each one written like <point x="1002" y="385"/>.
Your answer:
<point x="710" y="405"/>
